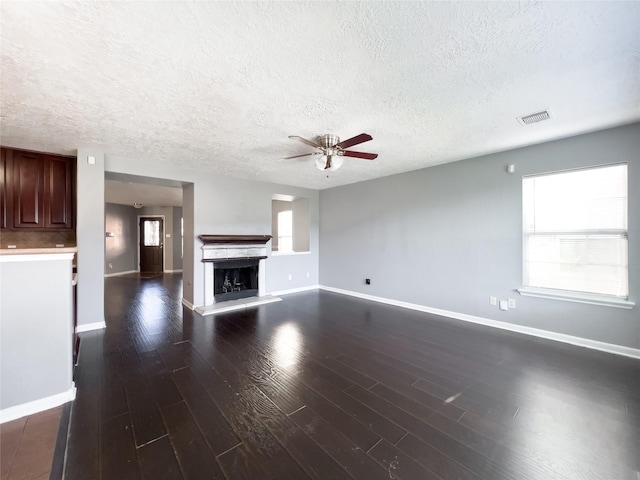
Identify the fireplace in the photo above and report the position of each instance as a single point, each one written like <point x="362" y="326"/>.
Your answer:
<point x="234" y="270"/>
<point x="234" y="279"/>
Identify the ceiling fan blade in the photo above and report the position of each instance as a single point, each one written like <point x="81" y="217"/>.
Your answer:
<point x="298" y="156"/>
<point x="366" y="156"/>
<point x="304" y="140"/>
<point x="363" y="137"/>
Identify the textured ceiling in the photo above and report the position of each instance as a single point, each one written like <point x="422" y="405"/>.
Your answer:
<point x="219" y="85"/>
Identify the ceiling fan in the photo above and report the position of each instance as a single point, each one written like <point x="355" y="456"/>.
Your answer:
<point x="332" y="150"/>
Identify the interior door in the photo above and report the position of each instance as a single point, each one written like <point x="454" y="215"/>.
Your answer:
<point x="151" y="245"/>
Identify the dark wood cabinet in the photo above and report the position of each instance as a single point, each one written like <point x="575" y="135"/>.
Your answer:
<point x="3" y="188"/>
<point x="38" y="190"/>
<point x="58" y="212"/>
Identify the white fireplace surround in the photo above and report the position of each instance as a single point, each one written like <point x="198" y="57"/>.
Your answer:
<point x="217" y="249"/>
<point x="221" y="252"/>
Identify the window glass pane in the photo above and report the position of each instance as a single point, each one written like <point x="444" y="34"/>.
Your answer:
<point x="151" y="233"/>
<point x="594" y="199"/>
<point x="285" y="223"/>
<point x="575" y="231"/>
<point x="285" y="231"/>
<point x="588" y="263"/>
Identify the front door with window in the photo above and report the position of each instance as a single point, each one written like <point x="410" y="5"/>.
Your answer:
<point x="151" y="235"/>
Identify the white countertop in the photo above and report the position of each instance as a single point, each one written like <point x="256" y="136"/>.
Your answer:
<point x="37" y="251"/>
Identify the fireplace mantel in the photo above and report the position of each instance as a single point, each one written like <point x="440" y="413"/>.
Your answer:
<point x="208" y="239"/>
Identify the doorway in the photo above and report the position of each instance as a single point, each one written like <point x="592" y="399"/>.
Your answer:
<point x="151" y="244"/>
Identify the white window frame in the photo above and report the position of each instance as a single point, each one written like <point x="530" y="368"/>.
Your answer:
<point x="571" y="295"/>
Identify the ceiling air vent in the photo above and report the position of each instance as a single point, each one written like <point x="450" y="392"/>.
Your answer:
<point x="534" y="117"/>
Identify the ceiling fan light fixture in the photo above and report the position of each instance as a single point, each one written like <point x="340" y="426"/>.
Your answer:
<point x="336" y="162"/>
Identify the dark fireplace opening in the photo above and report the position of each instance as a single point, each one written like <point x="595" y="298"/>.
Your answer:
<point x="235" y="279"/>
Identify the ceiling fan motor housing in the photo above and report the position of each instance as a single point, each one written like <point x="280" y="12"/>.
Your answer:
<point x="329" y="140"/>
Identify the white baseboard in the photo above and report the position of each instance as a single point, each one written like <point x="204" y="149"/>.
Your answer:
<point x="119" y="273"/>
<point x="87" y="327"/>
<point x="295" y="290"/>
<point x="536" y="332"/>
<point x="173" y="271"/>
<point x="188" y="304"/>
<point x="40" y="405"/>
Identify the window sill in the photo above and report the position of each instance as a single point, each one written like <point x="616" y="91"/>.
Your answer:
<point x="275" y="253"/>
<point x="568" y="296"/>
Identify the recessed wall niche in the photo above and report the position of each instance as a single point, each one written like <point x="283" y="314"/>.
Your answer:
<point x="290" y="224"/>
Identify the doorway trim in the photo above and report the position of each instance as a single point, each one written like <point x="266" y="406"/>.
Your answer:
<point x="164" y="236"/>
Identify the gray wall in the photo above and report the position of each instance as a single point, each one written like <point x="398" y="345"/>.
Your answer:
<point x="188" y="211"/>
<point x="177" y="238"/>
<point x="90" y="237"/>
<point x="450" y="236"/>
<point x="35" y="341"/>
<point x="300" y="218"/>
<point x="120" y="250"/>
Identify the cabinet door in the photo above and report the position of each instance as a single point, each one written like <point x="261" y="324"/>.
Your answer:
<point x="58" y="193"/>
<point x="28" y="190"/>
<point x="6" y="219"/>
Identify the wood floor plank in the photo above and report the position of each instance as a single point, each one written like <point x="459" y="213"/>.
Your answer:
<point x="354" y="460"/>
<point x="446" y="444"/>
<point x="312" y="459"/>
<point x="374" y="421"/>
<point x="118" y="450"/>
<point x="432" y="459"/>
<point x="158" y="462"/>
<point x="238" y="463"/>
<point x="83" y="445"/>
<point x="145" y="416"/>
<point x="195" y="458"/>
<point x="362" y="437"/>
<point x="215" y="428"/>
<point x="398" y="464"/>
<point x="259" y="440"/>
<point x="417" y="402"/>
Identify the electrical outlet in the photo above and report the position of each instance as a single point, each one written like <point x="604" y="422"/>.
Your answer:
<point x="493" y="301"/>
<point x="504" y="305"/>
<point x="111" y="265"/>
<point x="290" y="277"/>
<point x="512" y="303"/>
<point x="307" y="274"/>
<point x="367" y="281"/>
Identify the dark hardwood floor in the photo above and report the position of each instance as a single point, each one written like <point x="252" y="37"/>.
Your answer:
<point x="327" y="386"/>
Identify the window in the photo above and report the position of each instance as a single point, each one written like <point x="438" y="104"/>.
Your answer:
<point x="290" y="224"/>
<point x="285" y="231"/>
<point x="575" y="231"/>
<point x="151" y="233"/>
